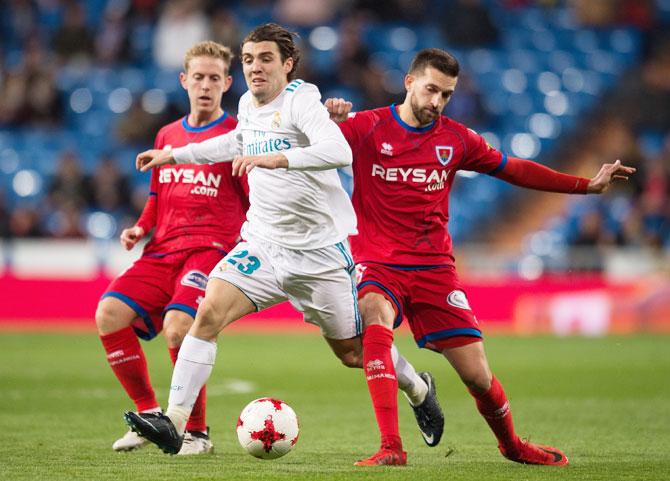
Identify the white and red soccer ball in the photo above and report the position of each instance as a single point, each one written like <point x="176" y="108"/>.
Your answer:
<point x="267" y="428"/>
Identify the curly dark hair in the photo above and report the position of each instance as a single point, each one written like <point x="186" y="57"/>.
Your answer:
<point x="285" y="40"/>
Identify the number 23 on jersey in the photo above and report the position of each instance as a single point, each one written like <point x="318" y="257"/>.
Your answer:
<point x="243" y="262"/>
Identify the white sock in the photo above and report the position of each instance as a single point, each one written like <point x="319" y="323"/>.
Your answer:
<point x="191" y="371"/>
<point x="409" y="382"/>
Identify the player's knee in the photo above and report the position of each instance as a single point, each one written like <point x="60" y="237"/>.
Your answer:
<point x="210" y="319"/>
<point x="375" y="309"/>
<point x="108" y="319"/>
<point x="175" y="327"/>
<point x="207" y="313"/>
<point x="174" y="334"/>
<point x="477" y="380"/>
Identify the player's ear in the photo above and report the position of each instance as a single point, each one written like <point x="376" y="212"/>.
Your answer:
<point x="409" y="80"/>
<point x="288" y="65"/>
<point x="227" y="82"/>
<point x="182" y="80"/>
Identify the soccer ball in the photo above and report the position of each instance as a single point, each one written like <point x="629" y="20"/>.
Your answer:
<point x="267" y="428"/>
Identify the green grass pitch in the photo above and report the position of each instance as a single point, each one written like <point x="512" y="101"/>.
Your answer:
<point x="605" y="402"/>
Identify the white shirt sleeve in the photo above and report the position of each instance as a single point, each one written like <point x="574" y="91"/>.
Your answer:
<point x="328" y="148"/>
<point x="223" y="148"/>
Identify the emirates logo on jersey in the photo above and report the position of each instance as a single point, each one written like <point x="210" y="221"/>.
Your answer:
<point x="444" y="153"/>
<point x="387" y="149"/>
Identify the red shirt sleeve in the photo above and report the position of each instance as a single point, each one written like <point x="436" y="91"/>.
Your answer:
<point x="147" y="220"/>
<point x="532" y="175"/>
<point x="479" y="156"/>
<point x="355" y="128"/>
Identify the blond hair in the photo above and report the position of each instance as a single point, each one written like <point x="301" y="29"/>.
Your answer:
<point x="208" y="49"/>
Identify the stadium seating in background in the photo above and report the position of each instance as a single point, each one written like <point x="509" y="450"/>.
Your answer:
<point x="529" y="79"/>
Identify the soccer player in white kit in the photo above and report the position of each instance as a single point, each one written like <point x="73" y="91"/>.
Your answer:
<point x="295" y="237"/>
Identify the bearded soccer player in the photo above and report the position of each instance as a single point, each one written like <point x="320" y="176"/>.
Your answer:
<point x="405" y="158"/>
<point x="197" y="212"/>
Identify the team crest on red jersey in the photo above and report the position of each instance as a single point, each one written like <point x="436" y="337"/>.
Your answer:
<point x="444" y="153"/>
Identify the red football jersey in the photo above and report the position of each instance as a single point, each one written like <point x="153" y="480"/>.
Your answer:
<point x="402" y="179"/>
<point x="194" y="205"/>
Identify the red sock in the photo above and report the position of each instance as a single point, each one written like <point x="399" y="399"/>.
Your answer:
<point x="197" y="420"/>
<point x="494" y="406"/>
<point x="382" y="382"/>
<point x="126" y="358"/>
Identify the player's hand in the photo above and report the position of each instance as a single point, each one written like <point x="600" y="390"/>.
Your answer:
<point x="131" y="236"/>
<point x="153" y="158"/>
<point x="244" y="165"/>
<point x="338" y="109"/>
<point x="609" y="173"/>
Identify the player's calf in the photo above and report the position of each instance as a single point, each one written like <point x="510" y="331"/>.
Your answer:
<point x="348" y="351"/>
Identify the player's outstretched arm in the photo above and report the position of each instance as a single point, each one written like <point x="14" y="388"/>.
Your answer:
<point x="338" y="109"/>
<point x="244" y="165"/>
<point x="153" y="158"/>
<point x="131" y="236"/>
<point x="529" y="174"/>
<point x="608" y="174"/>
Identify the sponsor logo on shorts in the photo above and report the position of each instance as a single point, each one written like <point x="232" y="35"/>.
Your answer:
<point x="458" y="299"/>
<point x="194" y="279"/>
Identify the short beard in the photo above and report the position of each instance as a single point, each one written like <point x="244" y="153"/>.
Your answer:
<point x="420" y="114"/>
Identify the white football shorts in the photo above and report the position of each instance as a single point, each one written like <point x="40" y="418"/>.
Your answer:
<point x="320" y="283"/>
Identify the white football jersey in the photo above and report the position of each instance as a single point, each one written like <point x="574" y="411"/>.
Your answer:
<point x="304" y="206"/>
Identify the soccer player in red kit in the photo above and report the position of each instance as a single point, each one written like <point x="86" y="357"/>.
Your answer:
<point x="404" y="164"/>
<point x="197" y="212"/>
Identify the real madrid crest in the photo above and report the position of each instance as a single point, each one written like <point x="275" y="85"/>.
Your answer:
<point x="276" y="120"/>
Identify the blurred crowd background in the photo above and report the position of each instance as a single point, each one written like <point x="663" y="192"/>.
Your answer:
<point x="85" y="85"/>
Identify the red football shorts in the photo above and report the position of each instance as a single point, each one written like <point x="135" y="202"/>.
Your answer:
<point x="430" y="298"/>
<point x="155" y="284"/>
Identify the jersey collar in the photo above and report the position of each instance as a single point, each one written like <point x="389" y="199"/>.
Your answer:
<point x="185" y="124"/>
<point x="406" y="126"/>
